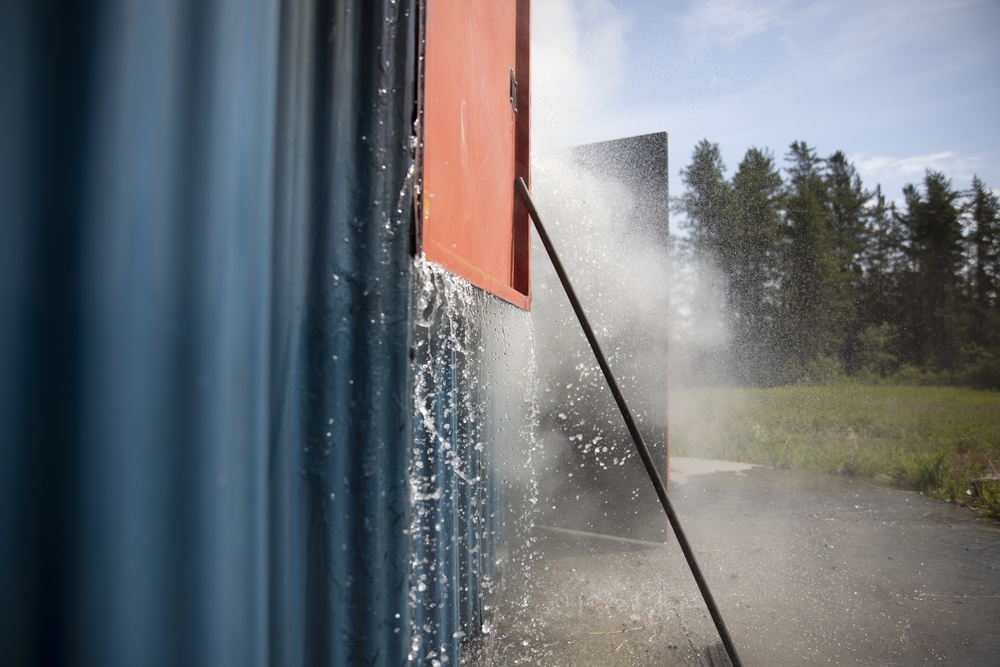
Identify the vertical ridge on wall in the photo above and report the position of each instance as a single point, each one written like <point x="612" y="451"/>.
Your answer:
<point x="434" y="529"/>
<point x="294" y="215"/>
<point x="372" y="125"/>
<point x="42" y="150"/>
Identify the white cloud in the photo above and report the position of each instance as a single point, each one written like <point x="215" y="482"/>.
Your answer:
<point x="912" y="167"/>
<point x="730" y="21"/>
<point x="893" y="173"/>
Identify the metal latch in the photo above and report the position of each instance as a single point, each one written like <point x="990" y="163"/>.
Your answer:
<point x="513" y="90"/>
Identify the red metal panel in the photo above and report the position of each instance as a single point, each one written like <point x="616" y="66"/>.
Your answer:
<point x="470" y="133"/>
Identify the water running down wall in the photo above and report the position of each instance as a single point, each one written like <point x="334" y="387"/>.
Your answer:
<point x="472" y="474"/>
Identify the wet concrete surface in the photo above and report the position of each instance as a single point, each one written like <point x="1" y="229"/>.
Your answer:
<point x="807" y="569"/>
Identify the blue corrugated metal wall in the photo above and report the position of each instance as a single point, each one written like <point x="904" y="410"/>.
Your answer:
<point x="204" y="392"/>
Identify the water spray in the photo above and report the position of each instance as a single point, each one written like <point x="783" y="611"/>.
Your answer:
<point x="647" y="460"/>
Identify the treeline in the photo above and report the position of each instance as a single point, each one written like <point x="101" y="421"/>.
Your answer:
<point x="823" y="276"/>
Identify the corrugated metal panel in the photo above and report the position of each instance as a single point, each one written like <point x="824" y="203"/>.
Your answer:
<point x="205" y="387"/>
<point x="341" y="430"/>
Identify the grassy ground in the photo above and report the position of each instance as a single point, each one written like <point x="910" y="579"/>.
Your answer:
<point x="929" y="439"/>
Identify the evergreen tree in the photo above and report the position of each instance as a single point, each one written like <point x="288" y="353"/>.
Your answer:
<point x="813" y="324"/>
<point x="883" y="261"/>
<point x="984" y="242"/>
<point x="848" y="212"/>
<point x="933" y="283"/>
<point x="848" y="206"/>
<point x="708" y="203"/>
<point x="754" y="267"/>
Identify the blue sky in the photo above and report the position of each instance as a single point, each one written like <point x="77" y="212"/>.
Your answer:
<point x="898" y="85"/>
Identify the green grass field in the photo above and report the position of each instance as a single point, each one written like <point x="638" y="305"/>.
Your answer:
<point x="929" y="439"/>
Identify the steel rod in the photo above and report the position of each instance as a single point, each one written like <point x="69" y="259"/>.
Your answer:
<point x="633" y="428"/>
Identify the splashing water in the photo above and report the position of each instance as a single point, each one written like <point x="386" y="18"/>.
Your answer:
<point x="472" y="481"/>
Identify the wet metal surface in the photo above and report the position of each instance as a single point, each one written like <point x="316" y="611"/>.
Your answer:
<point x="807" y="569"/>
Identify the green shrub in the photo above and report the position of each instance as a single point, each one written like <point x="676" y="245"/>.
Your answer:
<point x="875" y="345"/>
<point x="984" y="374"/>
<point x="824" y="369"/>
<point x="920" y="472"/>
<point x="989" y="501"/>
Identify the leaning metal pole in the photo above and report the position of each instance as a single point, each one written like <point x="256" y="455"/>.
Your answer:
<point x="633" y="428"/>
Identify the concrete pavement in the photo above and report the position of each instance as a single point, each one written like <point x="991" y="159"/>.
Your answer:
<point x="807" y="569"/>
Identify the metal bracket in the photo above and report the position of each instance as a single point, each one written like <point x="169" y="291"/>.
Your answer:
<point x="513" y="91"/>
